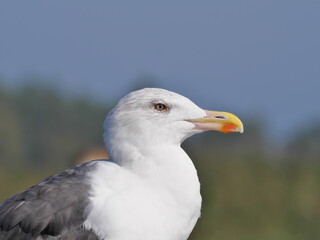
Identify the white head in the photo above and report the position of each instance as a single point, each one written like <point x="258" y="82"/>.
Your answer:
<point x="153" y="116"/>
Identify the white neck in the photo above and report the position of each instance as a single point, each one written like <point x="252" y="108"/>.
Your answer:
<point x="159" y="175"/>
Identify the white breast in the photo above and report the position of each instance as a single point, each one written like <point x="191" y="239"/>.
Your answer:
<point x="162" y="202"/>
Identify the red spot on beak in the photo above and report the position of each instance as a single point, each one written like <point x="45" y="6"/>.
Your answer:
<point x="228" y="128"/>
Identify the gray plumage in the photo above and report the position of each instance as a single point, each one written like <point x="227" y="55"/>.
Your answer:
<point x="53" y="209"/>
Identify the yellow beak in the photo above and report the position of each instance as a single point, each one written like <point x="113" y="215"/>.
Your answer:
<point x="218" y="121"/>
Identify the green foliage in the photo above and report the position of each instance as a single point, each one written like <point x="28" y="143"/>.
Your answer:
<point x="250" y="197"/>
<point x="10" y="132"/>
<point x="50" y="129"/>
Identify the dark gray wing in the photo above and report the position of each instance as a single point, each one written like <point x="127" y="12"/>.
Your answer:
<point x="53" y="209"/>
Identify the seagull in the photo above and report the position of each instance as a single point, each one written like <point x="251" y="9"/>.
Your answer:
<point x="148" y="189"/>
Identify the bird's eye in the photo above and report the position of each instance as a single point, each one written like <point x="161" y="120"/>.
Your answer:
<point x="160" y="107"/>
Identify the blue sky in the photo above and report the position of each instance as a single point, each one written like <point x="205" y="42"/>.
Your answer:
<point x="251" y="57"/>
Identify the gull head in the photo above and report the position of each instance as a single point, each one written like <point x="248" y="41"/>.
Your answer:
<point x="153" y="116"/>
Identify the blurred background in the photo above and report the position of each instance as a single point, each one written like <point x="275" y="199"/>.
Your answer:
<point x="64" y="64"/>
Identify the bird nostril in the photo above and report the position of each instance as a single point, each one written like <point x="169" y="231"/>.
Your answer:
<point x="220" y="117"/>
